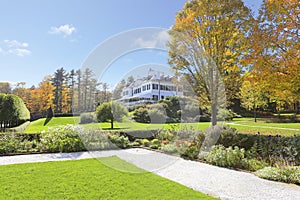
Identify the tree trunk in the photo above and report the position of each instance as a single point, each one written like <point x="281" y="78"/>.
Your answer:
<point x="254" y="111"/>
<point x="112" y="123"/>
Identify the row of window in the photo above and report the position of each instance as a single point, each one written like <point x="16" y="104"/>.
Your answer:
<point x="154" y="87"/>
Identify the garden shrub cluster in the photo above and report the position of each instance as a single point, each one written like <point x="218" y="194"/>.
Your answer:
<point x="18" y="143"/>
<point x="288" y="174"/>
<point x="86" y="118"/>
<point x="273" y="157"/>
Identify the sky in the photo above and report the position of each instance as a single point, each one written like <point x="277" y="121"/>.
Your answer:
<point x="38" y="37"/>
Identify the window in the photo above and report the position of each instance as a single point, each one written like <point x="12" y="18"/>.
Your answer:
<point x="155" y="97"/>
<point x="148" y="87"/>
<point x="155" y="86"/>
<point x="144" y="87"/>
<point x="162" y="97"/>
<point x="162" y="87"/>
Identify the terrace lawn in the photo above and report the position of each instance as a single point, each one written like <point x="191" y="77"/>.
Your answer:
<point x="87" y="179"/>
<point x="243" y="125"/>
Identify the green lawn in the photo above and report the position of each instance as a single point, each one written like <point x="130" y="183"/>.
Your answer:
<point x="243" y="125"/>
<point x="42" y="124"/>
<point x="87" y="179"/>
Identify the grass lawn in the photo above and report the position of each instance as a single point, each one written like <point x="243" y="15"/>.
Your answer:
<point x="43" y="125"/>
<point x="243" y="125"/>
<point x="87" y="179"/>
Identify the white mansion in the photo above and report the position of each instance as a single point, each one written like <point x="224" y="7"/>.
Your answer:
<point x="150" y="89"/>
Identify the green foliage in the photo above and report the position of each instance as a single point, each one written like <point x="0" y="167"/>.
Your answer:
<point x="12" y="111"/>
<point x="62" y="139"/>
<point x="169" y="148"/>
<point x="141" y="115"/>
<point x="86" y="118"/>
<point x="18" y="143"/>
<point x="145" y="142"/>
<point x="120" y="141"/>
<point x="253" y="164"/>
<point x="225" y="114"/>
<point x="226" y="157"/>
<point x="157" y="114"/>
<point x="288" y="174"/>
<point x="111" y="111"/>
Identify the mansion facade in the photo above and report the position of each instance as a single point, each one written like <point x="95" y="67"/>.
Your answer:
<point x="150" y="89"/>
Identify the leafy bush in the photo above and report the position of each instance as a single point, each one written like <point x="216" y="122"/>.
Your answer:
<point x="225" y="114"/>
<point x="120" y="141"/>
<point x="226" y="157"/>
<point x="18" y="143"/>
<point x="141" y="115"/>
<point x="169" y="148"/>
<point x="62" y="139"/>
<point x="253" y="164"/>
<point x="12" y="111"/>
<point x="155" y="142"/>
<point x="145" y="142"/>
<point x="96" y="140"/>
<point x="154" y="146"/>
<point x="289" y="174"/>
<point x="86" y="118"/>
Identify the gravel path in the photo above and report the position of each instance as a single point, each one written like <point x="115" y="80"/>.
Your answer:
<point x="216" y="181"/>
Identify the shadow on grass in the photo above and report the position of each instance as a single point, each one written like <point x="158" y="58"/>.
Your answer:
<point x="112" y="129"/>
<point x="47" y="120"/>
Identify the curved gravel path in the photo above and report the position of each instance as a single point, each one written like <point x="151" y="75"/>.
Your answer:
<point x="216" y="181"/>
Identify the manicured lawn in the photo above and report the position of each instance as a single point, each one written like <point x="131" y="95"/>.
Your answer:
<point x="43" y="125"/>
<point x="247" y="125"/>
<point x="243" y="125"/>
<point x="87" y="179"/>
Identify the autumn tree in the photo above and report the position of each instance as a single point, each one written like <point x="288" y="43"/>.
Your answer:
<point x="252" y="96"/>
<point x="208" y="40"/>
<point x="274" y="55"/>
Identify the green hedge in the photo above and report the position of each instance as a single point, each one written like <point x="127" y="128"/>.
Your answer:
<point x="13" y="111"/>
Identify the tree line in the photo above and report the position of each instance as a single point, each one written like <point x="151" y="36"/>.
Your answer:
<point x="63" y="92"/>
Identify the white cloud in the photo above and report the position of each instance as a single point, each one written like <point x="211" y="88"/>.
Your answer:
<point x="15" y="44"/>
<point x="20" y="52"/>
<point x="66" y="30"/>
<point x="158" y="40"/>
<point x="140" y="42"/>
<point x="15" y="47"/>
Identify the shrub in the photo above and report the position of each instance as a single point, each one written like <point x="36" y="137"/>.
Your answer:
<point x="120" y="141"/>
<point x="225" y="114"/>
<point x="62" y="139"/>
<point x="145" y="142"/>
<point x="86" y="118"/>
<point x="12" y="111"/>
<point x="155" y="142"/>
<point x="96" y="140"/>
<point x="18" y="143"/>
<point x="154" y="146"/>
<point x="253" y="164"/>
<point x="287" y="174"/>
<point x="169" y="148"/>
<point x="141" y="115"/>
<point x="226" y="157"/>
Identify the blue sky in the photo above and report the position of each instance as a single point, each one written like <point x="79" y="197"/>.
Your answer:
<point x="38" y="37"/>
